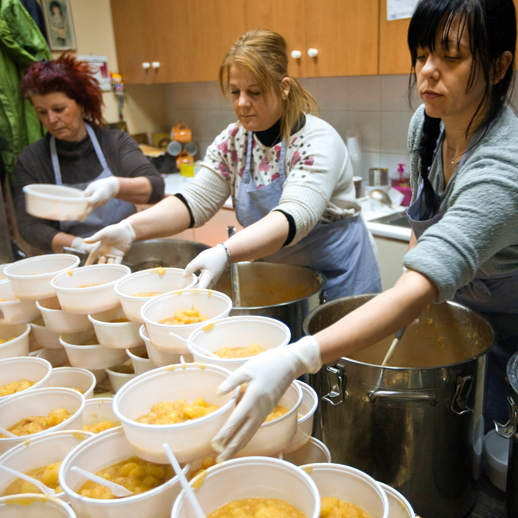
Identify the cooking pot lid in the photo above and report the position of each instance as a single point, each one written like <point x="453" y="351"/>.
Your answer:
<point x="512" y="373"/>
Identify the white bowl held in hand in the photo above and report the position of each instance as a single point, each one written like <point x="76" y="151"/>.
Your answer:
<point x="13" y="310"/>
<point x="25" y="368"/>
<point x="74" y="378"/>
<point x="59" y="321"/>
<point x="89" y="289"/>
<point x="14" y="340"/>
<point x="114" y="331"/>
<point x="55" y="202"/>
<point x="34" y="506"/>
<point x="31" y="278"/>
<point x="155" y="280"/>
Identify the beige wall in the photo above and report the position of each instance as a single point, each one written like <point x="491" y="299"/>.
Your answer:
<point x="144" y="110"/>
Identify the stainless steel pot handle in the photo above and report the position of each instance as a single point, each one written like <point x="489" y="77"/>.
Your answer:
<point x="323" y="297"/>
<point x="508" y="429"/>
<point x="459" y="402"/>
<point x="411" y="397"/>
<point x="337" y="381"/>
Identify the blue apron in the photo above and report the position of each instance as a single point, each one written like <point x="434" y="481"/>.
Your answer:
<point x="113" y="212"/>
<point x="340" y="250"/>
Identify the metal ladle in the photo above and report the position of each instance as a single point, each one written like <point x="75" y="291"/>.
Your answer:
<point x="380" y="196"/>
<point x="234" y="276"/>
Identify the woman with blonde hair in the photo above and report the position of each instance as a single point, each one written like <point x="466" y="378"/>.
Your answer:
<point x="289" y="175"/>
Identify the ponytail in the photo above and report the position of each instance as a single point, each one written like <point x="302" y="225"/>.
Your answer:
<point x="427" y="146"/>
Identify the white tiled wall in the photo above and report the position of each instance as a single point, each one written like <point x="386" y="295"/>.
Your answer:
<point x="373" y="108"/>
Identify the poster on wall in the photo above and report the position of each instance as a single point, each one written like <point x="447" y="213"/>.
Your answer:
<point x="101" y="70"/>
<point x="58" y="21"/>
<point x="399" y="9"/>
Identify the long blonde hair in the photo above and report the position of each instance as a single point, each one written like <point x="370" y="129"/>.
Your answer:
<point x="263" y="52"/>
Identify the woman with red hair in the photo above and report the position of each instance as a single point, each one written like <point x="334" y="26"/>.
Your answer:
<point x="78" y="151"/>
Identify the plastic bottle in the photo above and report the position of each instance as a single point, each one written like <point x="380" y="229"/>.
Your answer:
<point x="403" y="176"/>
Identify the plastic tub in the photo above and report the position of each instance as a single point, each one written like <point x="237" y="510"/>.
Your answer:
<point x="97" y="294"/>
<point x="252" y="477"/>
<point x="13" y="311"/>
<point x="213" y="304"/>
<point x="189" y="440"/>
<point x="47" y="449"/>
<point x="98" y="410"/>
<point x="27" y="368"/>
<point x="55" y="202"/>
<point x="240" y="331"/>
<point x="149" y="281"/>
<point x="312" y="452"/>
<point x="34" y="506"/>
<point x="350" y="485"/>
<point x="273" y="437"/>
<point x="116" y="335"/>
<point x="43" y="336"/>
<point x="99" y="452"/>
<point x="74" y="378"/>
<point x="40" y="402"/>
<point x="17" y="340"/>
<point x="140" y="364"/>
<point x="59" y="321"/>
<point x="307" y="411"/>
<point x="31" y="278"/>
<point x="496" y="457"/>
<point x="119" y="379"/>
<point x="2" y="268"/>
<point x="160" y="358"/>
<point x="90" y="356"/>
<point x="399" y="506"/>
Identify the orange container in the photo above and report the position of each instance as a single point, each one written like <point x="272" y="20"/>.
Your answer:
<point x="181" y="133"/>
<point x="184" y="158"/>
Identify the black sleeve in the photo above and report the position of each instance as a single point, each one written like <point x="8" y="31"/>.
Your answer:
<point x="181" y="197"/>
<point x="292" y="228"/>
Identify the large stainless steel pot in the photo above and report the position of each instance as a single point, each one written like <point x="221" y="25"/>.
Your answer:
<point x="417" y="427"/>
<point x="285" y="292"/>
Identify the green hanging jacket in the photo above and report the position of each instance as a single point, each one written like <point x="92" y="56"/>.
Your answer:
<point x="21" y="45"/>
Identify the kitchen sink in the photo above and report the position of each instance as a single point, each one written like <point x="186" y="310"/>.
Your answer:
<point x="398" y="219"/>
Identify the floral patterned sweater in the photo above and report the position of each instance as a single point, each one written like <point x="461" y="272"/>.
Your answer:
<point x="318" y="187"/>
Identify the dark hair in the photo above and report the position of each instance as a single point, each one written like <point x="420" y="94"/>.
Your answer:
<point x="56" y="4"/>
<point x="491" y="26"/>
<point x="72" y="77"/>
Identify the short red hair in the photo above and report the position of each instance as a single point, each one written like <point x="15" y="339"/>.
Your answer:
<point x="72" y="77"/>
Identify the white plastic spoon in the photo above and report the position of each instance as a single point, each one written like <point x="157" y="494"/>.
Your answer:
<point x="40" y="485"/>
<point x="116" y="489"/>
<point x="183" y="481"/>
<point x="8" y="433"/>
<point x="200" y="350"/>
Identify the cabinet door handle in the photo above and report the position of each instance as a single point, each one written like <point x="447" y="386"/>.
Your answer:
<point x="155" y="64"/>
<point x="146" y="65"/>
<point x="296" y="54"/>
<point x="312" y="53"/>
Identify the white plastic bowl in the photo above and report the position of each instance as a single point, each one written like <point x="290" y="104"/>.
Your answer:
<point x="240" y="331"/>
<point x="350" y="485"/>
<point x="104" y="450"/>
<point x="312" y="452"/>
<point x="307" y="411"/>
<point x="97" y="296"/>
<point x="31" y="278"/>
<point x="13" y="310"/>
<point x="34" y="506"/>
<point x="74" y="378"/>
<point x="252" y="477"/>
<point x="98" y="410"/>
<point x="2" y="268"/>
<point x="140" y="365"/>
<point x="17" y="337"/>
<point x="496" y="457"/>
<point x="160" y="358"/>
<point x="149" y="281"/>
<point x="189" y="440"/>
<point x="27" y="368"/>
<point x="44" y="450"/>
<point x="399" y="506"/>
<point x="59" y="321"/>
<point x="119" y="379"/>
<point x="213" y="304"/>
<point x="274" y="436"/>
<point x="90" y="357"/>
<point x="40" y="402"/>
<point x="43" y="336"/>
<point x="55" y="202"/>
<point x="116" y="335"/>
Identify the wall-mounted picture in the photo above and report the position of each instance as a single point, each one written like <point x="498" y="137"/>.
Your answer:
<point x="58" y="21"/>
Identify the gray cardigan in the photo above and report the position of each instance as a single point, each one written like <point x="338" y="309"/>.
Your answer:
<point x="480" y="226"/>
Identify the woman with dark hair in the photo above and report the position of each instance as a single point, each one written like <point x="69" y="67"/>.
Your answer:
<point x="463" y="143"/>
<point x="78" y="151"/>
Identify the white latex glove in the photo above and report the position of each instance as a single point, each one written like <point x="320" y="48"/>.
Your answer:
<point x="211" y="262"/>
<point x="269" y="375"/>
<point x="100" y="192"/>
<point x="111" y="243"/>
<point x="79" y="244"/>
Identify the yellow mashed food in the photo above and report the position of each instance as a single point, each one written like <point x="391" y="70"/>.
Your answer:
<point x="100" y="427"/>
<point x="331" y="507"/>
<point x="257" y="508"/>
<point x="14" y="387"/>
<point x="278" y="411"/>
<point x="206" y="463"/>
<point x="184" y="317"/>
<point x="239" y="352"/>
<point x="148" y="294"/>
<point x="134" y="474"/>
<point x="92" y="341"/>
<point x="36" y="424"/>
<point x="5" y="340"/>
<point x="124" y="368"/>
<point x="178" y="411"/>
<point x="47" y="474"/>
<point x="119" y="320"/>
<point x="90" y="285"/>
